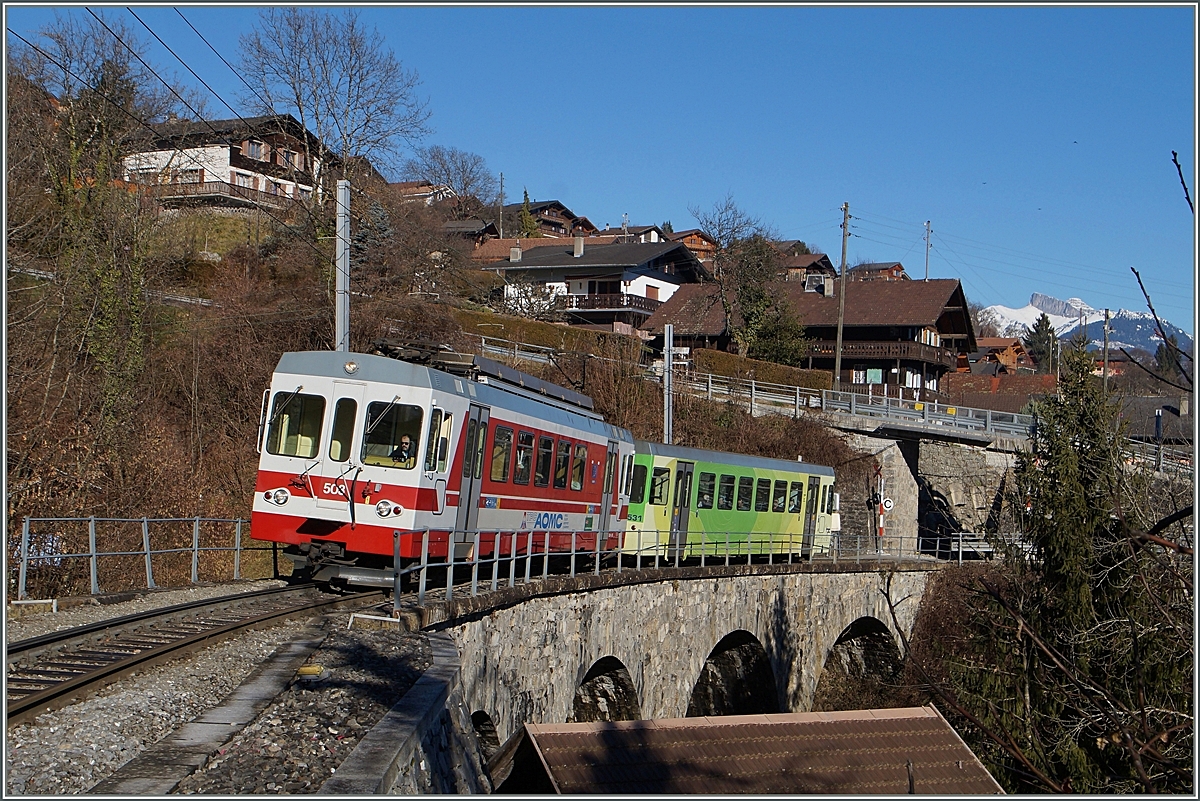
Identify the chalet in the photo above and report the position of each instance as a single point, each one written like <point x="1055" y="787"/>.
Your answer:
<point x="554" y="219"/>
<point x="267" y="161"/>
<point x="425" y="192"/>
<point x="811" y="269"/>
<point x="896" y="334"/>
<point x="877" y="271"/>
<point x="699" y="243"/>
<point x="1007" y="353"/>
<point x="601" y="285"/>
<point x="472" y="228"/>
<point x="493" y="250"/>
<point x="637" y="233"/>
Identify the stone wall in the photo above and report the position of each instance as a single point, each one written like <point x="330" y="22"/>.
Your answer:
<point x="523" y="663"/>
<point x="860" y="516"/>
<point x="971" y="479"/>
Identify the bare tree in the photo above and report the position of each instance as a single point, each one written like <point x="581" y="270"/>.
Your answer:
<point x="467" y="174"/>
<point x="338" y="78"/>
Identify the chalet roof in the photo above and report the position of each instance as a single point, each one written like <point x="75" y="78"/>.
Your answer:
<point x="631" y="255"/>
<point x="540" y="205"/>
<point x="868" y="303"/>
<point x="845" y="753"/>
<point x="1139" y="414"/>
<point x="999" y="343"/>
<point x="808" y="261"/>
<point x="676" y="236"/>
<point x="875" y="267"/>
<point x="498" y="249"/>
<point x="191" y="133"/>
<point x="472" y="225"/>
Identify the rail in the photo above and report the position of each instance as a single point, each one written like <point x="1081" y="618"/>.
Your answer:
<point x="218" y="189"/>
<point x="45" y="548"/>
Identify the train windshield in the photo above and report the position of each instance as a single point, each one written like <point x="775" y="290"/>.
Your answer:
<point x="295" y="428"/>
<point x="392" y="435"/>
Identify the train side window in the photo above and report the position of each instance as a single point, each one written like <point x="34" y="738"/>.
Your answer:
<point x="725" y="494"/>
<point x="479" y="445"/>
<point x="796" y="497"/>
<point x="295" y="428"/>
<point x="829" y="504"/>
<point x="578" y="466"/>
<point x="501" y="453"/>
<point x="562" y="464"/>
<point x="443" y="445"/>
<point x="637" y="489"/>
<point x="779" y="498"/>
<point x="745" y="490"/>
<point x="610" y="464"/>
<point x="824" y="495"/>
<point x="469" y="448"/>
<point x="660" y="486"/>
<point x="705" y="489"/>
<point x="545" y="453"/>
<point x="391" y="435"/>
<point x="431" y="442"/>
<point x="343" y="429"/>
<point x="524" y="458"/>
<point x="629" y="475"/>
<point x="762" y="495"/>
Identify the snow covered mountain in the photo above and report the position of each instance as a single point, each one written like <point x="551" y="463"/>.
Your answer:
<point x="1126" y="329"/>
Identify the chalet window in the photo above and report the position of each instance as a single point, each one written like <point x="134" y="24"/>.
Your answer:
<point x="289" y="158"/>
<point x="256" y="150"/>
<point x="189" y="176"/>
<point x="243" y="180"/>
<point x="305" y="194"/>
<point x="652" y="293"/>
<point x="859" y="374"/>
<point x="874" y="375"/>
<point x="144" y="176"/>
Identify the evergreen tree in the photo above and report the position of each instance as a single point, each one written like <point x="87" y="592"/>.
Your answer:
<point x="528" y="227"/>
<point x="1041" y="343"/>
<point x="1167" y="357"/>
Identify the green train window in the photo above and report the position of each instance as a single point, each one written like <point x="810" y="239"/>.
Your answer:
<point x="779" y="498"/>
<point x="637" y="492"/>
<point x="745" y="490"/>
<point x="824" y="494"/>
<point x="796" y="497"/>
<point x="705" y="490"/>
<point x="660" y="486"/>
<point x="762" y="495"/>
<point x="829" y="505"/>
<point x="545" y="452"/>
<point x="725" y="494"/>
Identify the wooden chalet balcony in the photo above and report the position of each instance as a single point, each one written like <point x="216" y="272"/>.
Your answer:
<point x="905" y="351"/>
<point x="218" y="192"/>
<point x="613" y="302"/>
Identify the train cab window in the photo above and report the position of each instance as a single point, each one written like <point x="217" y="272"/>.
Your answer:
<point x="295" y="428"/>
<point x="637" y="488"/>
<point x="705" y="489"/>
<point x="745" y="490"/>
<point x="501" y="453"/>
<point x="437" y="446"/>
<point x="343" y="429"/>
<point x="725" y="494"/>
<point x="391" y="435"/>
<point x="779" y="497"/>
<point x="578" y="466"/>
<point x="524" y="463"/>
<point x="545" y="452"/>
<point x="762" y="495"/>
<point x="629" y="475"/>
<point x="562" y="464"/>
<point x="660" y="486"/>
<point x="824" y="495"/>
<point x="796" y="497"/>
<point x="610" y="465"/>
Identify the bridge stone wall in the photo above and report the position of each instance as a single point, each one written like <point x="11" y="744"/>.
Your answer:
<point x="524" y="662"/>
<point x="972" y="479"/>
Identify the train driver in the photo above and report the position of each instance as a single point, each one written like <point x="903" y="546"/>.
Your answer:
<point x="405" y="455"/>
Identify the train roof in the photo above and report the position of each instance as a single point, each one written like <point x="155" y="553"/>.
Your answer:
<point x="492" y="390"/>
<point x="732" y="459"/>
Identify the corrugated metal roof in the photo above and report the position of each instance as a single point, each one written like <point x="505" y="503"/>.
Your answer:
<point x="858" y="752"/>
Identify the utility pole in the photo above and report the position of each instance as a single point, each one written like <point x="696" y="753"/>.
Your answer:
<point x="837" y="358"/>
<point x="501" y="213"/>
<point x="342" y="306"/>
<point x="1106" y="353"/>
<point x="928" y="232"/>
<point x="668" y="381"/>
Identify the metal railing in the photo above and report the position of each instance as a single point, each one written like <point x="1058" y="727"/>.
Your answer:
<point x="496" y="559"/>
<point x="46" y="551"/>
<point x="929" y="414"/>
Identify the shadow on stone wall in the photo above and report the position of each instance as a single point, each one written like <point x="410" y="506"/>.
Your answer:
<point x="737" y="679"/>
<point x="606" y="693"/>
<point x="862" y="671"/>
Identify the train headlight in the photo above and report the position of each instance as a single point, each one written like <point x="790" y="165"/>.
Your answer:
<point x="278" y="497"/>
<point x="387" y="509"/>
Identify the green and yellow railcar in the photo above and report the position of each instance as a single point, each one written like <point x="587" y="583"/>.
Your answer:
<point x="687" y="502"/>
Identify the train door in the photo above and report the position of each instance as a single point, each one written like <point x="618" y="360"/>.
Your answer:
<point x="810" y="512"/>
<point x="472" y="471"/>
<point x="682" y="507"/>
<point x="334" y="476"/>
<point x="610" y="477"/>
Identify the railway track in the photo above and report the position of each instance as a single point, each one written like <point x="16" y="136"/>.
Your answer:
<point x="54" y="670"/>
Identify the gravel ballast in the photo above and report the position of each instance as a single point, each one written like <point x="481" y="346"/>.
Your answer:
<point x="302" y="737"/>
<point x="71" y="749"/>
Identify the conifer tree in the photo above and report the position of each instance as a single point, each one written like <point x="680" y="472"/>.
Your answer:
<point x="1041" y="342"/>
<point x="527" y="222"/>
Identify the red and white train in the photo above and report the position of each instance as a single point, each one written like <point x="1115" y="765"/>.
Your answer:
<point x="357" y="446"/>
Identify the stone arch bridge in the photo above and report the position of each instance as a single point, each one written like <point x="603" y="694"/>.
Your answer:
<point x="674" y="643"/>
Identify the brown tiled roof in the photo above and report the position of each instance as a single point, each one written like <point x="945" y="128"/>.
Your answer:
<point x="868" y="303"/>
<point x="499" y="249"/>
<point x="996" y="342"/>
<point x="855" y="752"/>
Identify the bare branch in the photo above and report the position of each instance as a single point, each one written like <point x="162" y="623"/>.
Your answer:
<point x="1186" y="196"/>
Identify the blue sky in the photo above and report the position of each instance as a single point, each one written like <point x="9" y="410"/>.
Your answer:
<point x="1037" y="140"/>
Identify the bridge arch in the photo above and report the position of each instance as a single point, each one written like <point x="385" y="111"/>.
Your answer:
<point x="606" y="693"/>
<point x="485" y="730"/>
<point x="861" y="668"/>
<point x="736" y="679"/>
